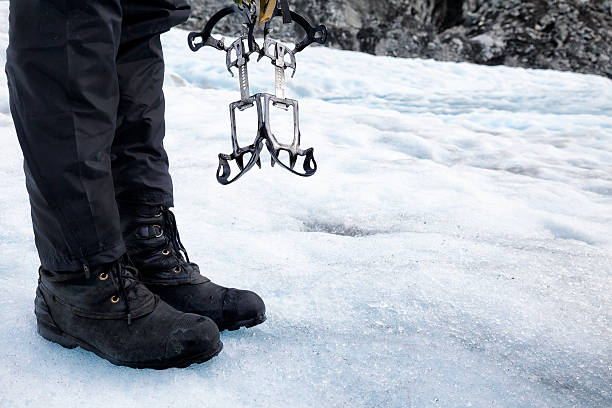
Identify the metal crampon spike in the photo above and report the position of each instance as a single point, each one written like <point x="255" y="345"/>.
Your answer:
<point x="240" y="162"/>
<point x="309" y="167"/>
<point x="224" y="171"/>
<point x="294" y="149"/>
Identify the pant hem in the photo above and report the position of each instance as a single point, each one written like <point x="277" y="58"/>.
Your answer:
<point x="152" y="199"/>
<point x="59" y="263"/>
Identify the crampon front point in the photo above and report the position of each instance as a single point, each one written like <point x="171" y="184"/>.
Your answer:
<point x="290" y="156"/>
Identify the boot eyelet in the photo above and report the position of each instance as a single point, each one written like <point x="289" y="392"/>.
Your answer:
<point x="177" y="269"/>
<point x="165" y="252"/>
<point x="161" y="231"/>
<point x="114" y="299"/>
<point x="103" y="276"/>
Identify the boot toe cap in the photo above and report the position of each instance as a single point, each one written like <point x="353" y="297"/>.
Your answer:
<point x="193" y="335"/>
<point x="243" y="305"/>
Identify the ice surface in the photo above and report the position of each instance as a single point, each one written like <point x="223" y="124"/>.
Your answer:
<point x="454" y="249"/>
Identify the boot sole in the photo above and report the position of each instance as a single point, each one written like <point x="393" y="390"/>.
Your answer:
<point x="55" y="335"/>
<point x="244" y="323"/>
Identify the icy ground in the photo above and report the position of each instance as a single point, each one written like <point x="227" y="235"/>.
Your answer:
<point x="453" y="250"/>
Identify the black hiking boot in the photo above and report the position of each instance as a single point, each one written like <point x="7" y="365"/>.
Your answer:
<point x="107" y="311"/>
<point x="154" y="246"/>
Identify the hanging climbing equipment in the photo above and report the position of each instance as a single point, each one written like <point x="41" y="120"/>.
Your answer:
<point x="237" y="56"/>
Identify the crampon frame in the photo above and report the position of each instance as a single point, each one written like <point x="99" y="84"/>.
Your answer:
<point x="290" y="156"/>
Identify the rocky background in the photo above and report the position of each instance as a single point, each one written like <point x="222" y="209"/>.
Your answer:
<point x="569" y="35"/>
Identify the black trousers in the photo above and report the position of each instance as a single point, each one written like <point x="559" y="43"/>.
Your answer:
<point x="85" y="81"/>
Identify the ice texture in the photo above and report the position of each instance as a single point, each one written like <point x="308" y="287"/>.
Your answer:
<point x="453" y="250"/>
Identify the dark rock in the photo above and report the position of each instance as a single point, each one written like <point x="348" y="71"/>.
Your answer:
<point x="571" y="35"/>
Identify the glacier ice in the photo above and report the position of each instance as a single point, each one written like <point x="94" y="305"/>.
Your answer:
<point x="454" y="249"/>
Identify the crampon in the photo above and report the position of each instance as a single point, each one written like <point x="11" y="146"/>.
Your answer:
<point x="290" y="156"/>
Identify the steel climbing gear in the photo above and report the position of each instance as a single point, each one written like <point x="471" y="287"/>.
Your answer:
<point x="238" y="54"/>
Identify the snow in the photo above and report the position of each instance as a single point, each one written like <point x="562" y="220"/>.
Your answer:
<point x="453" y="250"/>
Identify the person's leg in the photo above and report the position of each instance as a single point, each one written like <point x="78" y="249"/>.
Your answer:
<point x="139" y="161"/>
<point x="143" y="185"/>
<point x="64" y="96"/>
<point x="64" y="93"/>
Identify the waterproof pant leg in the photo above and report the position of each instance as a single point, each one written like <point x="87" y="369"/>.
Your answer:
<point x="64" y="94"/>
<point x="65" y="89"/>
<point x="139" y="161"/>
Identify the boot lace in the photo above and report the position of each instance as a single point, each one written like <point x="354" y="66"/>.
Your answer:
<point x="173" y="237"/>
<point x="124" y="279"/>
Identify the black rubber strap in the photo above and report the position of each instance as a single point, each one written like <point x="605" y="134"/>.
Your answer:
<point x="313" y="34"/>
<point x="286" y="12"/>
<point x="206" y="32"/>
